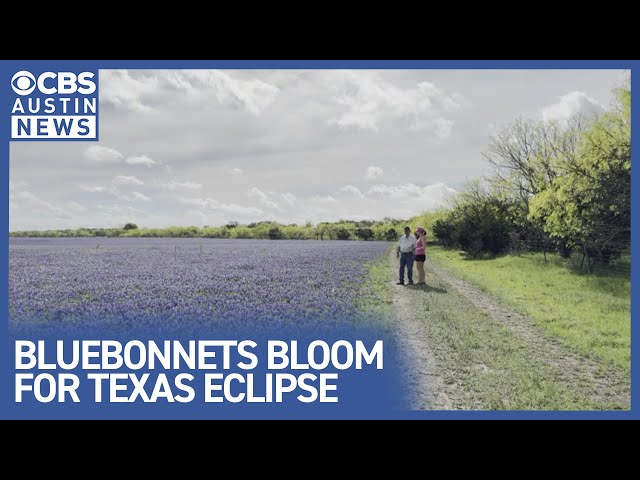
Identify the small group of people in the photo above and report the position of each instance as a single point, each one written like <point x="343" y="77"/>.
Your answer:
<point x="412" y="249"/>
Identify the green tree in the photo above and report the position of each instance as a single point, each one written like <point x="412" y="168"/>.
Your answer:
<point x="364" y="233"/>
<point x="589" y="205"/>
<point x="342" y="233"/>
<point x="478" y="223"/>
<point x="443" y="230"/>
<point x="275" y="233"/>
<point x="391" y="235"/>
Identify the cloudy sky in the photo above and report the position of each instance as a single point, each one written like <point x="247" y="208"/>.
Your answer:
<point x="205" y="147"/>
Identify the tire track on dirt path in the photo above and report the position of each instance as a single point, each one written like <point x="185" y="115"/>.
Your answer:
<point x="605" y="383"/>
<point x="424" y="387"/>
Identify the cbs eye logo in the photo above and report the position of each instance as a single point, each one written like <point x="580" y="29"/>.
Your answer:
<point x="23" y="83"/>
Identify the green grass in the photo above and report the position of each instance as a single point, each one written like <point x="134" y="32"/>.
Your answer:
<point x="588" y="313"/>
<point x="483" y="364"/>
<point x="375" y="298"/>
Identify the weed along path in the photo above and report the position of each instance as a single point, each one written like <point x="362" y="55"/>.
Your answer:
<point x="464" y="350"/>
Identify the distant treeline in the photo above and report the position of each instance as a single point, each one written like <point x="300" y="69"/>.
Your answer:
<point x="554" y="187"/>
<point x="387" y="229"/>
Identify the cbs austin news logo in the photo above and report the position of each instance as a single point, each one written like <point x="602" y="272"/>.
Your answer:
<point x="55" y="106"/>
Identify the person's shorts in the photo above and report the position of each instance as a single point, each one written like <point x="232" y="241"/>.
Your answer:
<point x="420" y="258"/>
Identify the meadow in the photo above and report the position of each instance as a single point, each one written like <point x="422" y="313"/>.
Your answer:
<point x="169" y="284"/>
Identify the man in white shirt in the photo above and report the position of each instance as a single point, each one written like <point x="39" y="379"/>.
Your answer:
<point x="404" y="250"/>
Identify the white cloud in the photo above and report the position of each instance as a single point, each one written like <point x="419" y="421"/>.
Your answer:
<point x="213" y="204"/>
<point x="368" y="100"/>
<point x="173" y="185"/>
<point x="323" y="199"/>
<point x="360" y="114"/>
<point x="141" y="160"/>
<point x="199" y="214"/>
<point x="198" y="202"/>
<point x="196" y="217"/>
<point x="118" y="209"/>
<point x="100" y="154"/>
<point x="374" y="172"/>
<point x="91" y="189"/>
<point x="442" y="128"/>
<point x="420" y="197"/>
<point x="117" y="215"/>
<point x="37" y="205"/>
<point x="253" y="95"/>
<point x="121" y="180"/>
<point x="569" y="105"/>
<point x="136" y="91"/>
<point x="439" y="127"/>
<point x="124" y="180"/>
<point x="239" y="209"/>
<point x="120" y="89"/>
<point x="350" y="189"/>
<point x="140" y="196"/>
<point x="75" y="206"/>
<point x="234" y="171"/>
<point x="15" y="184"/>
<point x="263" y="197"/>
<point x="288" y="198"/>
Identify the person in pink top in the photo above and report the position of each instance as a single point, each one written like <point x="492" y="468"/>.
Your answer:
<point x="420" y="255"/>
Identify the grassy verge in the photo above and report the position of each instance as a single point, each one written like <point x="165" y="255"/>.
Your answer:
<point x="485" y="366"/>
<point x="589" y="313"/>
<point x="375" y="297"/>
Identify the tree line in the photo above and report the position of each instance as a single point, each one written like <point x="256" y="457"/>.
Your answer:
<point x="388" y="229"/>
<point x="552" y="187"/>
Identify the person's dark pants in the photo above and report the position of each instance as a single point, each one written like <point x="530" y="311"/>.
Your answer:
<point x="406" y="259"/>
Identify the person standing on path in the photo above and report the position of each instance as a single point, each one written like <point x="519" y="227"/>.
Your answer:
<point x="420" y="254"/>
<point x="404" y="250"/>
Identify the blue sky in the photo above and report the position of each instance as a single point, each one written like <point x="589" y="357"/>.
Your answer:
<point x="205" y="147"/>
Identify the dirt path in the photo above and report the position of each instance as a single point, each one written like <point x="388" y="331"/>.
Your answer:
<point x="426" y="389"/>
<point x="424" y="385"/>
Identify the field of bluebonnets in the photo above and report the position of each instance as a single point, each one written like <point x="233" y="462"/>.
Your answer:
<point x="167" y="284"/>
